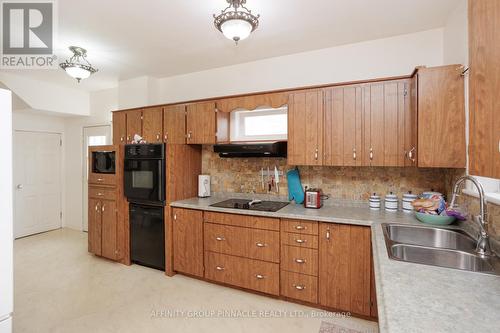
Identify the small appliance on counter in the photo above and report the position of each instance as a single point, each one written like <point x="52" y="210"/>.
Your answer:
<point x="313" y="198"/>
<point x="203" y="186"/>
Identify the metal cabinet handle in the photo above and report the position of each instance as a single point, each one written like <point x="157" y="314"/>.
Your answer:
<point x="128" y="137"/>
<point x="100" y="179"/>
<point x="260" y="244"/>
<point x="165" y="137"/>
<point x="158" y="136"/>
<point x="301" y="241"/>
<point x="220" y="238"/>
<point x="102" y="209"/>
<point x="100" y="194"/>
<point x="316" y="154"/>
<point x="299" y="286"/>
<point x="122" y="138"/>
<point x="410" y="154"/>
<point x="300" y="261"/>
<point x="371" y="154"/>
<point x="354" y="154"/>
<point x="219" y="268"/>
<point x="259" y="276"/>
<point x="328" y="234"/>
<point x="97" y="207"/>
<point x="175" y="217"/>
<point x="189" y="135"/>
<point x="300" y="227"/>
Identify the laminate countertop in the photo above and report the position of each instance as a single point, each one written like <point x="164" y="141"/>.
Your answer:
<point x="410" y="297"/>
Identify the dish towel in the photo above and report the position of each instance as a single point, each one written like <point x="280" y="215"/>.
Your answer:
<point x="295" y="190"/>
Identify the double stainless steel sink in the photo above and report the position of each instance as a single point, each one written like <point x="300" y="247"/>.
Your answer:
<point x="451" y="248"/>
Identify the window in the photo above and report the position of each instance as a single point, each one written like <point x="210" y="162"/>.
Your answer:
<point x="259" y="124"/>
<point x="491" y="189"/>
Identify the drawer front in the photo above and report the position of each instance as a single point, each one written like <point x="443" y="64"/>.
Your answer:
<point x="242" y="272"/>
<point x="243" y="242"/>
<point x="254" y="222"/>
<point x="102" y="179"/>
<point x="105" y="193"/>
<point x="299" y="286"/>
<point x="299" y="226"/>
<point x="301" y="240"/>
<point x="299" y="260"/>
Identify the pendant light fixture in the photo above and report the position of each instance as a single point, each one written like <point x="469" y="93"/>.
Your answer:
<point x="78" y="66"/>
<point x="236" y="22"/>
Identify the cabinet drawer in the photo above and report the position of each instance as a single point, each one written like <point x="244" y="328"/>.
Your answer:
<point x="102" y="179"/>
<point x="299" y="260"/>
<point x="243" y="242"/>
<point x="299" y="226"/>
<point x="299" y="286"/>
<point x="254" y="222"/>
<point x="102" y="193"/>
<point x="242" y="272"/>
<point x="301" y="240"/>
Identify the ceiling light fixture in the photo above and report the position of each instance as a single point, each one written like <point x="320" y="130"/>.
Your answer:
<point x="78" y="66"/>
<point x="236" y="22"/>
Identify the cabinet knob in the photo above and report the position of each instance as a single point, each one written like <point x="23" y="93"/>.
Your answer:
<point x="371" y="154"/>
<point x="328" y="234"/>
<point x="121" y="139"/>
<point x="220" y="238"/>
<point x="259" y="276"/>
<point x="300" y="227"/>
<point x="300" y="261"/>
<point x="260" y="244"/>
<point x="316" y="152"/>
<point x="165" y="137"/>
<point x="354" y="154"/>
<point x="102" y="209"/>
<point x="100" y="179"/>
<point x="100" y="194"/>
<point x="299" y="286"/>
<point x="301" y="241"/>
<point x="219" y="268"/>
<point x="158" y="136"/>
<point x="175" y="217"/>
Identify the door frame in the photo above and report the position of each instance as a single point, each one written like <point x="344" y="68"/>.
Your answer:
<point x="61" y="176"/>
<point x="84" y="167"/>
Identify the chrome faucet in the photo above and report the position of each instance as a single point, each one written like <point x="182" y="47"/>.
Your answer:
<point x="483" y="247"/>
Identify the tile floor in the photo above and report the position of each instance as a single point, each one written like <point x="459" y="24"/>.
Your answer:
<point x="59" y="287"/>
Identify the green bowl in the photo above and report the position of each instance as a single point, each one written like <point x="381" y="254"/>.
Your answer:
<point x="435" y="219"/>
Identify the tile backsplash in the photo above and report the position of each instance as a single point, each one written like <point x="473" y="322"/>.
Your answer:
<point x="243" y="175"/>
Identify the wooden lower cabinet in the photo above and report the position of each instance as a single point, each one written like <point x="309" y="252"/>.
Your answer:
<point x="299" y="286"/>
<point x="345" y="267"/>
<point x="188" y="241"/>
<point x="243" y="272"/>
<point x="103" y="225"/>
<point x="95" y="226"/>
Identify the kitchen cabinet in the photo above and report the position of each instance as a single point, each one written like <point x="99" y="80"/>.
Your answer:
<point x="103" y="223"/>
<point x="119" y="128"/>
<point x="441" y="117"/>
<point x="152" y="125"/>
<point x="345" y="267"/>
<point x="343" y="126"/>
<point x="305" y="128"/>
<point x="174" y="124"/>
<point x="134" y="124"/>
<point x="205" y="124"/>
<point x="411" y="126"/>
<point x="484" y="104"/>
<point x="188" y="241"/>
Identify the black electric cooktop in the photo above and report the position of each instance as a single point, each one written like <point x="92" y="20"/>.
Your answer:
<point x="262" y="206"/>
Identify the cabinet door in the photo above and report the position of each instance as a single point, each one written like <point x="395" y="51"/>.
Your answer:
<point x="94" y="234"/>
<point x="344" y="267"/>
<point x="134" y="124"/>
<point x="305" y="128"/>
<point x="152" y="125"/>
<point x="109" y="223"/>
<point x="188" y="241"/>
<point x="119" y="128"/>
<point x="201" y="123"/>
<point x="373" y="107"/>
<point x="174" y="124"/>
<point x="484" y="104"/>
<point x="410" y="124"/>
<point x="441" y="117"/>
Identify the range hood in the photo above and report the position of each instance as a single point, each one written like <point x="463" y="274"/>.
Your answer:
<point x="252" y="149"/>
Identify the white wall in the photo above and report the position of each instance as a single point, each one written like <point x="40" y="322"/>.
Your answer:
<point x="101" y="103"/>
<point x="455" y="38"/>
<point x="386" y="57"/>
<point x="6" y="206"/>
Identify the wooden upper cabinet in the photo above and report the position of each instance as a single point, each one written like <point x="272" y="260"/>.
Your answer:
<point x="134" y="124"/>
<point x="484" y="87"/>
<point x="152" y="125"/>
<point x="188" y="241"/>
<point x="174" y="124"/>
<point x="411" y="125"/>
<point x="119" y="128"/>
<point x="205" y="125"/>
<point x="345" y="267"/>
<point x="305" y="128"/>
<point x="343" y="126"/>
<point x="441" y="117"/>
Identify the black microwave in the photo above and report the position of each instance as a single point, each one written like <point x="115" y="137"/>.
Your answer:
<point x="103" y="162"/>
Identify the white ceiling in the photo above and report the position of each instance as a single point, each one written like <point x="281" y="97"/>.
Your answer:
<point x="130" y="38"/>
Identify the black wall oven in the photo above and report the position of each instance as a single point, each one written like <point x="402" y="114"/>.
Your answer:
<point x="144" y="176"/>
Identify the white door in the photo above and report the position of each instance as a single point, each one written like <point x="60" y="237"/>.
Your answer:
<point x="92" y="136"/>
<point x="37" y="182"/>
